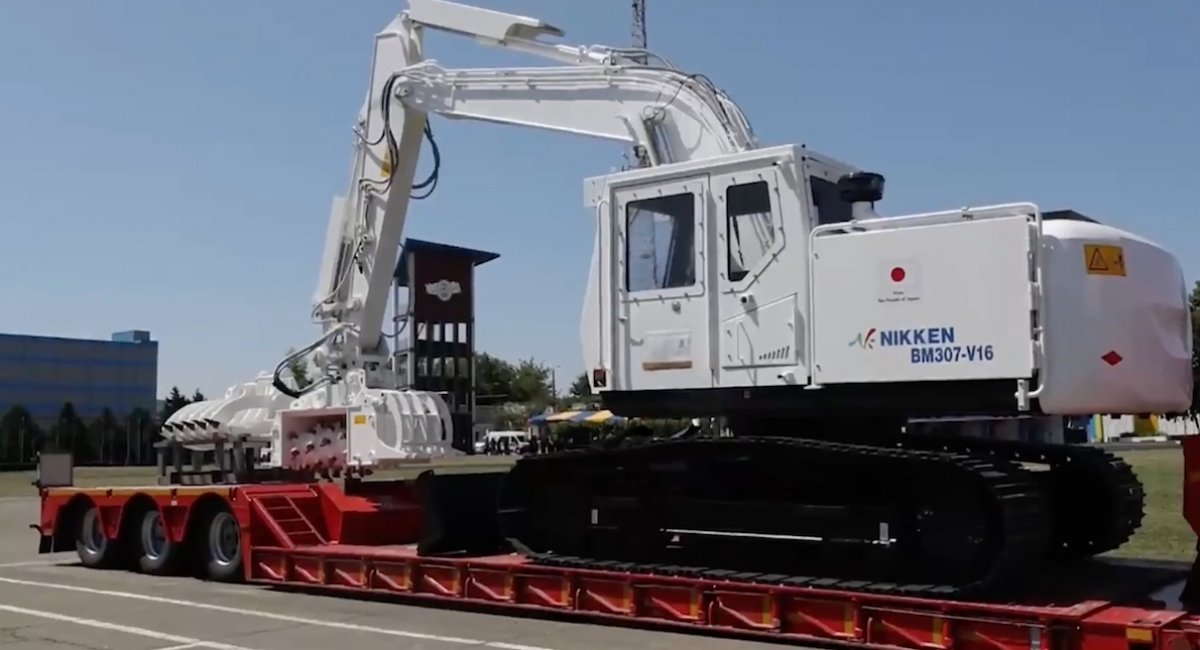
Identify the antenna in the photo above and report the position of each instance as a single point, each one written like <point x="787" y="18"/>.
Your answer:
<point x="639" y="28"/>
<point x="638" y="32"/>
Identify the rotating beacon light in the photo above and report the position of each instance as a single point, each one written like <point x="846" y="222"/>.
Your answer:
<point x="861" y="190"/>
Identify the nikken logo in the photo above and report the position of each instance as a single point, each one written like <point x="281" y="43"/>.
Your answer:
<point x="921" y="336"/>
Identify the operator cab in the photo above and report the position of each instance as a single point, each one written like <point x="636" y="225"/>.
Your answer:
<point x="699" y="273"/>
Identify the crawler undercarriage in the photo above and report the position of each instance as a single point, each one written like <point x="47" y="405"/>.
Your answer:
<point x="884" y="512"/>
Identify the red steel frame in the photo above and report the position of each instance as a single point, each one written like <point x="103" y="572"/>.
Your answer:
<point x="340" y="542"/>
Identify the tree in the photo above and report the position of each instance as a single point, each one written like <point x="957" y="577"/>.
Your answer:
<point x="175" y="401"/>
<point x="299" y="369"/>
<point x="139" y="431"/>
<point x="70" y="434"/>
<point x="531" y="382"/>
<point x="493" y="377"/>
<point x="580" y="388"/>
<point x="20" y="435"/>
<point x="106" y="432"/>
<point x="198" y="396"/>
<point x="512" y="417"/>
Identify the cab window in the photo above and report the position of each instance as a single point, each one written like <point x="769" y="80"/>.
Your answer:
<point x="828" y="201"/>
<point x="660" y="242"/>
<point x="750" y="226"/>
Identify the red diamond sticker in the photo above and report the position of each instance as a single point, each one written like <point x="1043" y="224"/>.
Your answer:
<point x="1111" y="358"/>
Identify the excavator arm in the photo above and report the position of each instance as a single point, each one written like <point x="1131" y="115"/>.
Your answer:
<point x="594" y="91"/>
<point x="601" y="93"/>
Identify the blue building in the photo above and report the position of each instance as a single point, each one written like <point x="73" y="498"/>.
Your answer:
<point x="41" y="373"/>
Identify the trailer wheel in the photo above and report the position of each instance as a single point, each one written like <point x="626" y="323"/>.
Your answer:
<point x="222" y="543"/>
<point x="95" y="549"/>
<point x="158" y="553"/>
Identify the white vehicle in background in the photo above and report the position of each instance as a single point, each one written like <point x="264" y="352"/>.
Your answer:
<point x="516" y="441"/>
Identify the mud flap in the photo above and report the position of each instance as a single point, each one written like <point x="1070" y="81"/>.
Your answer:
<point x="460" y="514"/>
<point x="45" y="542"/>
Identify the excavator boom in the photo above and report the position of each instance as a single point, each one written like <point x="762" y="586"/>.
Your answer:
<point x="674" y="116"/>
<point x="595" y="91"/>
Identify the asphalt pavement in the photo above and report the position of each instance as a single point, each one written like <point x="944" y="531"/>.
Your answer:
<point x="47" y="602"/>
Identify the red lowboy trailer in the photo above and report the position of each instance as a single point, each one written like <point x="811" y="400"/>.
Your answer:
<point x="364" y="537"/>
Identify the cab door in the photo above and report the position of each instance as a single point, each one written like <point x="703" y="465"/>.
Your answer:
<point x="665" y="285"/>
<point x="760" y="279"/>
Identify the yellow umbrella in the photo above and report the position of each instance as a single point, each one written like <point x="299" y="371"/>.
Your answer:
<point x="600" y="416"/>
<point x="561" y="417"/>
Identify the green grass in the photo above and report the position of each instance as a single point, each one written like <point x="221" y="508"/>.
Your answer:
<point x="1164" y="533"/>
<point x="19" y="484"/>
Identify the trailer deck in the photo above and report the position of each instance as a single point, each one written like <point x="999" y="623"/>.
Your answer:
<point x="367" y="537"/>
<point x="805" y="615"/>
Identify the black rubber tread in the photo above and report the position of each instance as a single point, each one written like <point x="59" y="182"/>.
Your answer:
<point x="1014" y="497"/>
<point x="1085" y="524"/>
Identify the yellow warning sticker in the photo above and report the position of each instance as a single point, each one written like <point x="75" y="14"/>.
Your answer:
<point x="1138" y="634"/>
<point x="385" y="165"/>
<point x="359" y="418"/>
<point x="1103" y="259"/>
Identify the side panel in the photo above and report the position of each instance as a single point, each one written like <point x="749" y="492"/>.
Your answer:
<point x="664" y="287"/>
<point x="596" y="322"/>
<point x="951" y="301"/>
<point x="1118" y="330"/>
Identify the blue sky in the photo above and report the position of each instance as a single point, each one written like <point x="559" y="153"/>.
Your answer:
<point x="169" y="165"/>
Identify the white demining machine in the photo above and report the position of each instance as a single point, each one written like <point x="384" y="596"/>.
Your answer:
<point x="755" y="284"/>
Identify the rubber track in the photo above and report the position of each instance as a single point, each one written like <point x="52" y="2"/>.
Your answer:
<point x="1084" y="525"/>
<point x="1023" y="508"/>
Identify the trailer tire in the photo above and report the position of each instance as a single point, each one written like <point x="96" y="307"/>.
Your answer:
<point x="95" y="549"/>
<point x="158" y="554"/>
<point x="221" y="544"/>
